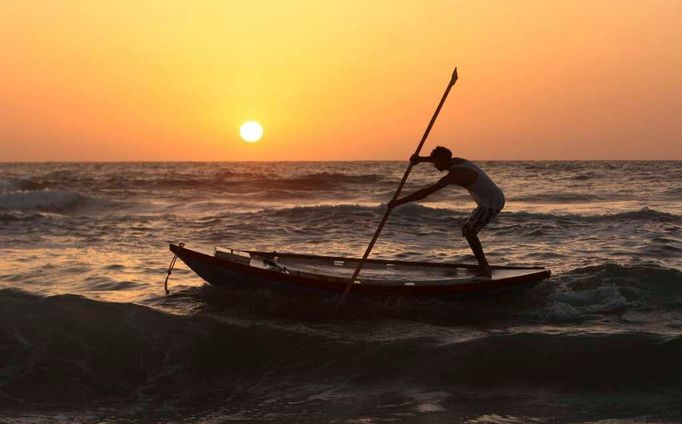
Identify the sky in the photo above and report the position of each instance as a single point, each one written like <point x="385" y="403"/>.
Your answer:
<point x="339" y="80"/>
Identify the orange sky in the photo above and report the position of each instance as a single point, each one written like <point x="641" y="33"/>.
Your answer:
<point x="339" y="80"/>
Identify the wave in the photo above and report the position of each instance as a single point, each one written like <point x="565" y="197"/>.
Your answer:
<point x="586" y="176"/>
<point x="332" y="179"/>
<point x="354" y="215"/>
<point x="22" y="216"/>
<point x="674" y="192"/>
<point x="325" y="211"/>
<point x="232" y="182"/>
<point x="266" y="182"/>
<point x="558" y="198"/>
<point x="78" y="351"/>
<point x="8" y="185"/>
<point x="312" y="182"/>
<point x="323" y="181"/>
<point x="417" y="211"/>
<point x="644" y="214"/>
<point x="613" y="288"/>
<point x="63" y="201"/>
<point x="48" y="200"/>
<point x="648" y="281"/>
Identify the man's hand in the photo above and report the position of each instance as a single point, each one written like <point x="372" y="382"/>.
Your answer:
<point x="415" y="159"/>
<point x="393" y="203"/>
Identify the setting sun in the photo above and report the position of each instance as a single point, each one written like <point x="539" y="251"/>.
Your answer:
<point x="251" y="131"/>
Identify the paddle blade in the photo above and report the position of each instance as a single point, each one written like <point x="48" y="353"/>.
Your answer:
<point x="453" y="80"/>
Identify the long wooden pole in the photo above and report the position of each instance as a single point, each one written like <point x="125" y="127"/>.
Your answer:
<point x="452" y="82"/>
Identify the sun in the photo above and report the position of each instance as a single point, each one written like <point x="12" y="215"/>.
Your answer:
<point x="251" y="131"/>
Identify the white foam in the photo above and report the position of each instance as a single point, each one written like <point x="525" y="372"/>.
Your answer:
<point x="502" y="419"/>
<point x="561" y="312"/>
<point x="572" y="306"/>
<point x="600" y="299"/>
<point x="430" y="407"/>
<point x="429" y="401"/>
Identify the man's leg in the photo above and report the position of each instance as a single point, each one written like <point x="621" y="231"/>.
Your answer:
<point x="476" y="247"/>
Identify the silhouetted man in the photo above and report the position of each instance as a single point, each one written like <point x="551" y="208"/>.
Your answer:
<point x="485" y="192"/>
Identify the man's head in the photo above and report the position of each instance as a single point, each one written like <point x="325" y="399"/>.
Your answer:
<point x="441" y="157"/>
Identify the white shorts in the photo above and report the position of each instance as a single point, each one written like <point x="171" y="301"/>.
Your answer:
<point x="479" y="218"/>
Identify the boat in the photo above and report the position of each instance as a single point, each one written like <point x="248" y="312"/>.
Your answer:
<point x="331" y="274"/>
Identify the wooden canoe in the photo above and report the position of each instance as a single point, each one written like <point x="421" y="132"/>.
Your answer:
<point x="254" y="269"/>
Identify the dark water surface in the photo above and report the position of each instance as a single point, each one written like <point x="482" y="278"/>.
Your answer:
<point x="86" y="333"/>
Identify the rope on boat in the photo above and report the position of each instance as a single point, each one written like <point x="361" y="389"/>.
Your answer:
<point x="170" y="270"/>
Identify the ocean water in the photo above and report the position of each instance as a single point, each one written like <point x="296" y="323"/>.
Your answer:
<point x="88" y="335"/>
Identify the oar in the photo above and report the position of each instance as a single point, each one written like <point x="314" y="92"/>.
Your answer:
<point x="452" y="82"/>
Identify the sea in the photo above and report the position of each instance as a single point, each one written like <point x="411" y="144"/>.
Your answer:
<point x="87" y="333"/>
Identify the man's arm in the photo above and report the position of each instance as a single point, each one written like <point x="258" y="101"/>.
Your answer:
<point x="415" y="159"/>
<point x="420" y="194"/>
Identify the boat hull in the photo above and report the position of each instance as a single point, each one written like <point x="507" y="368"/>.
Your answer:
<point x="228" y="273"/>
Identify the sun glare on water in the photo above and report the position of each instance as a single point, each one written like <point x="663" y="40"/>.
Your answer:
<point x="251" y="131"/>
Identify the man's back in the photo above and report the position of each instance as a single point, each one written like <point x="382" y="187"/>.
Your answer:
<point x="482" y="189"/>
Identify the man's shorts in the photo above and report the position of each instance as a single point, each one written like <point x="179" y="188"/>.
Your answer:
<point x="479" y="218"/>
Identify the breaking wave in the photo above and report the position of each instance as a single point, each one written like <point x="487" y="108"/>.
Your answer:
<point x="644" y="214"/>
<point x="414" y="210"/>
<point x="611" y="288"/>
<point x="47" y="200"/>
<point x="86" y="351"/>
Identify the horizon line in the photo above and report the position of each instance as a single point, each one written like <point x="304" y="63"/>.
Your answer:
<point x="335" y="160"/>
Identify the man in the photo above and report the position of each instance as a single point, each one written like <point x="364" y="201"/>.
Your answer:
<point x="485" y="192"/>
